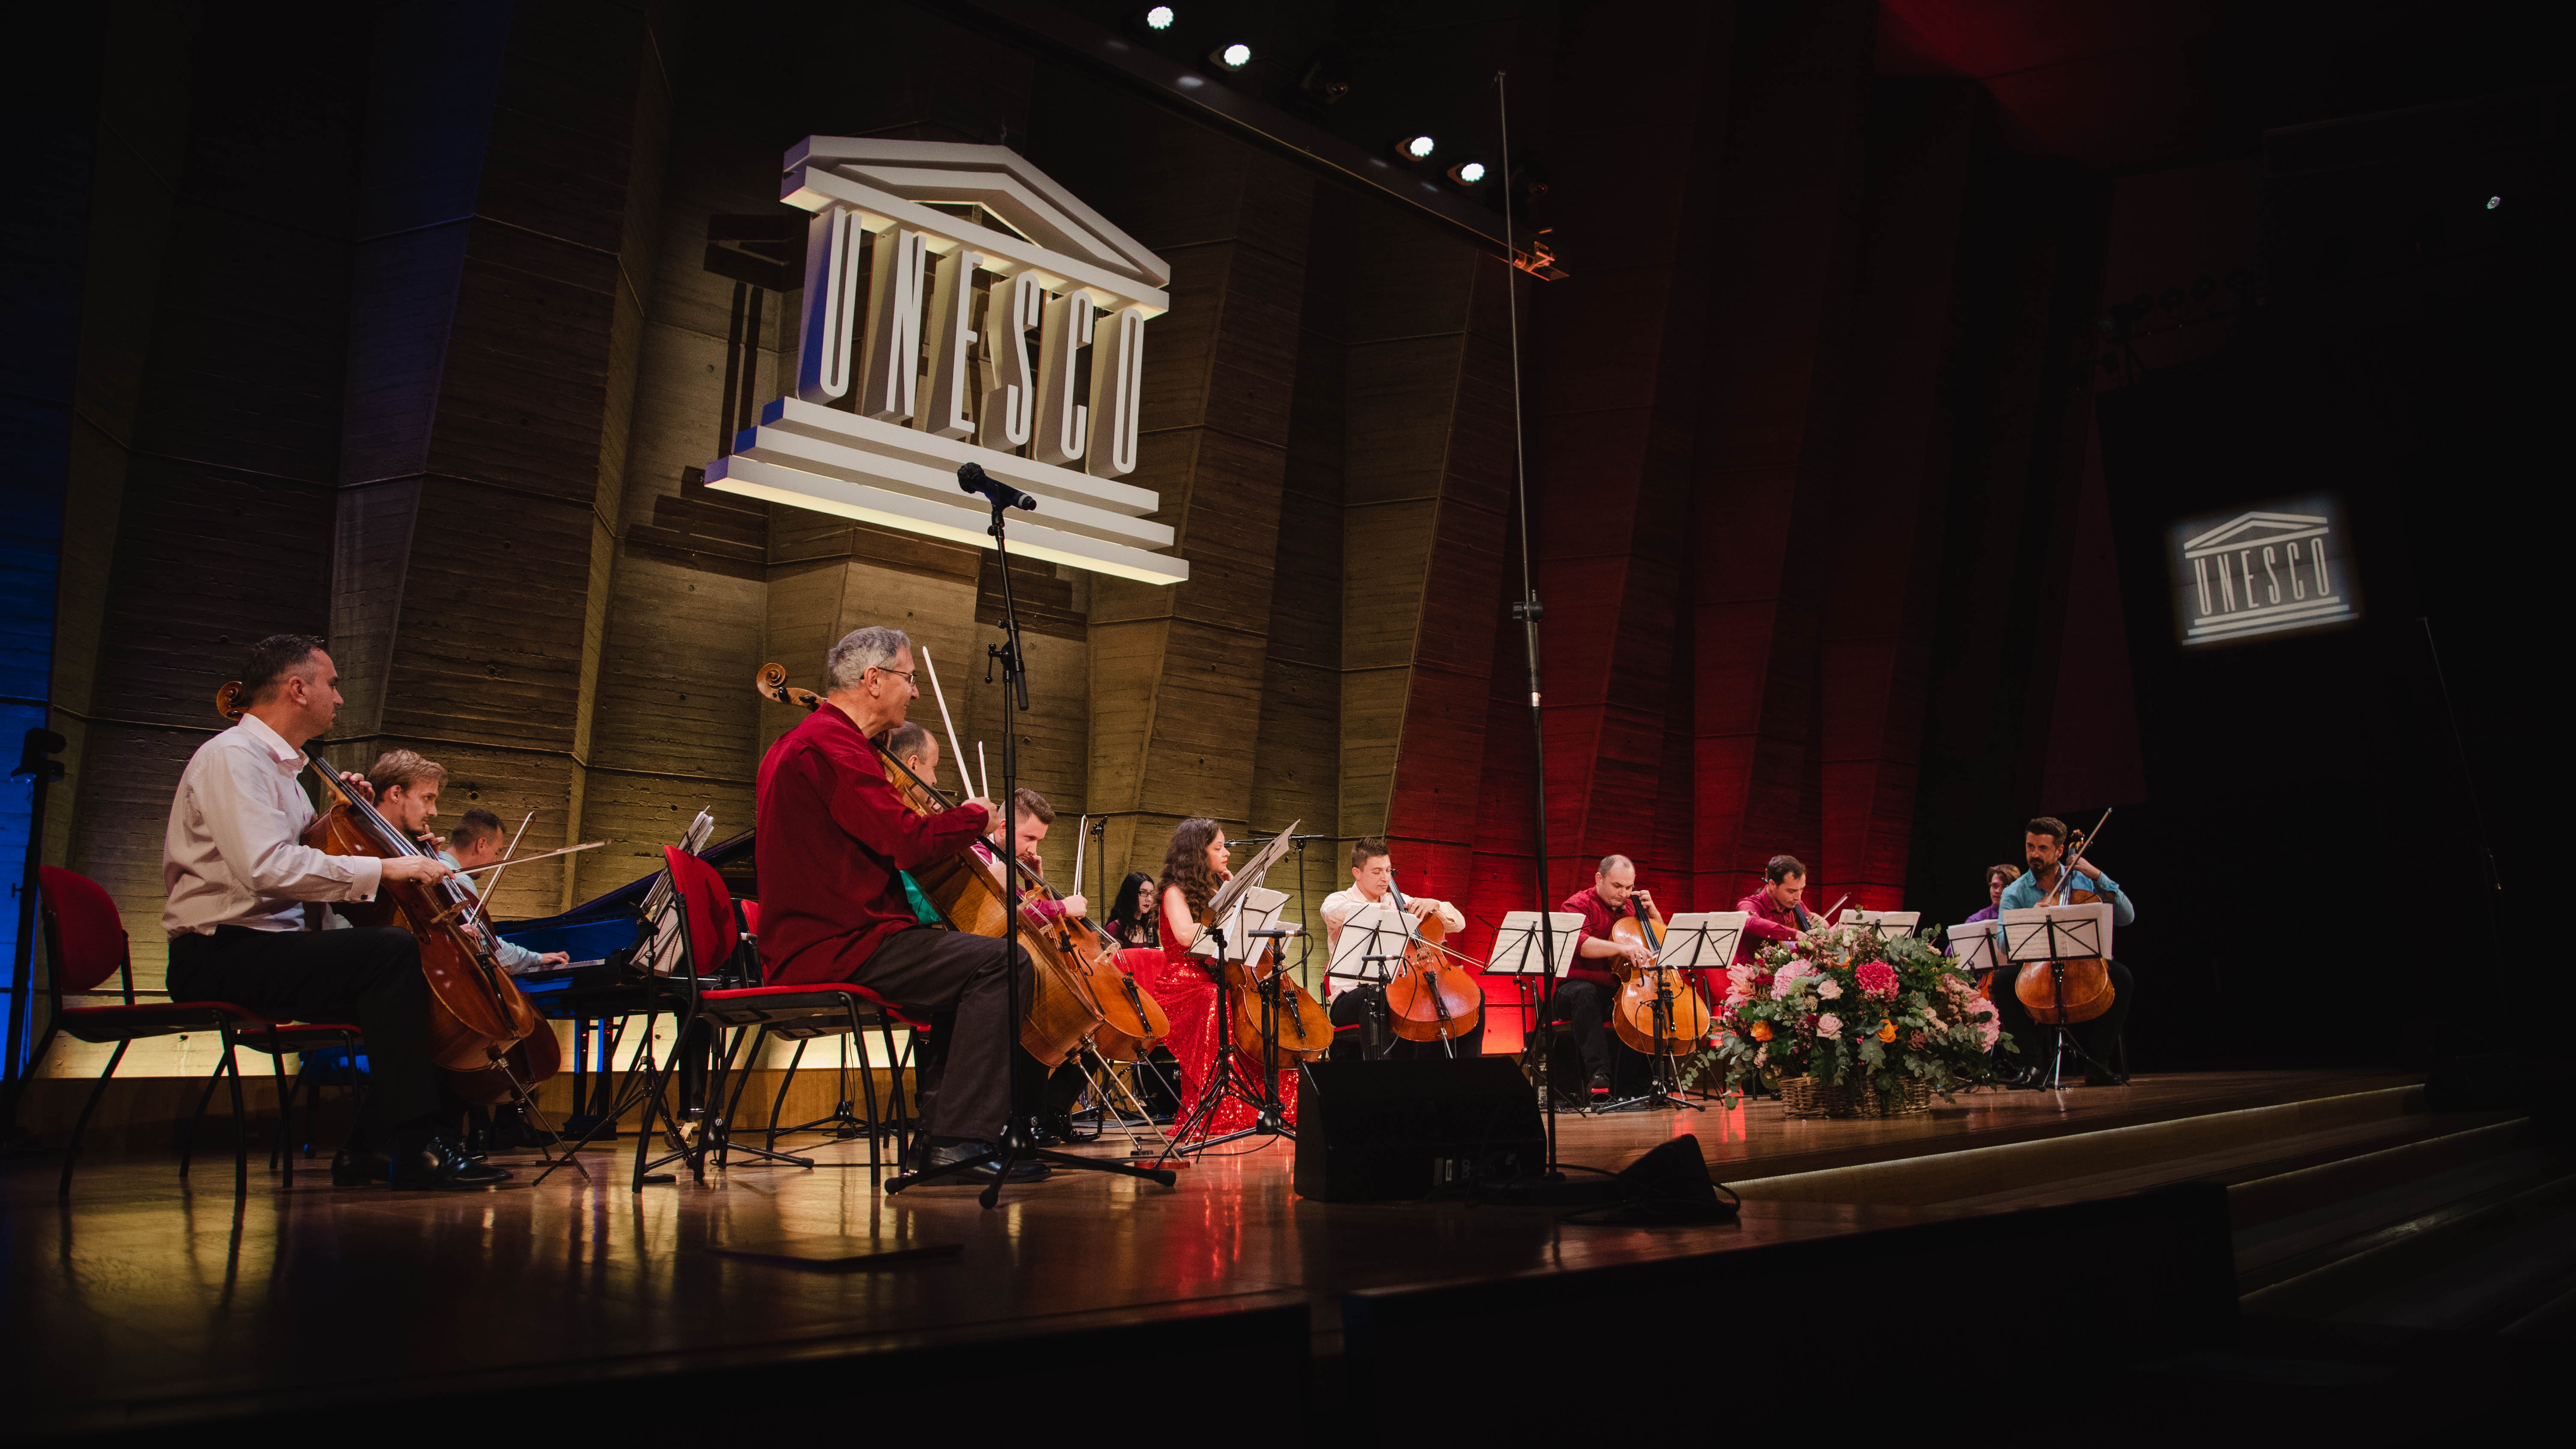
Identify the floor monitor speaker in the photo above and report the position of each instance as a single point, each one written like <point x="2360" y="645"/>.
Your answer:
<point x="1390" y="1130"/>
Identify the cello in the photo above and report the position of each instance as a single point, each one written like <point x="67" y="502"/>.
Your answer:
<point x="1430" y="999"/>
<point x="2082" y="991"/>
<point x="1659" y="1012"/>
<point x="485" y="1037"/>
<point x="1299" y="1029"/>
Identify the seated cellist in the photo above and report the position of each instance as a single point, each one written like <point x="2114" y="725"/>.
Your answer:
<point x="2044" y="846"/>
<point x="1373" y="883"/>
<point x="1590" y="988"/>
<point x="833" y="839"/>
<point x="243" y="887"/>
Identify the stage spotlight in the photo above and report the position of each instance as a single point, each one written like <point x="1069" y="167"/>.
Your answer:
<point x="1160" y="17"/>
<point x="1467" y="173"/>
<point x="1419" y="147"/>
<point x="2494" y="201"/>
<point x="1233" y="57"/>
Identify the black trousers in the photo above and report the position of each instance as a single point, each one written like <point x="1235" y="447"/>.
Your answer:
<point x="370" y="976"/>
<point x="1371" y="1038"/>
<point x="1585" y="1006"/>
<point x="2098" y="1037"/>
<point x="957" y="980"/>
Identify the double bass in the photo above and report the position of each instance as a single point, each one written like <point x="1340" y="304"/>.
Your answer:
<point x="1658" y="1012"/>
<point x="487" y="1040"/>
<point x="1430" y="999"/>
<point x="2084" y="992"/>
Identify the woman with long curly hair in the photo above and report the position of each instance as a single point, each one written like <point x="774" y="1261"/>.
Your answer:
<point x="1194" y="867"/>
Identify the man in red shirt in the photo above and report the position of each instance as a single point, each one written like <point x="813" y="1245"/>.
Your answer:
<point x="1773" y="912"/>
<point x="833" y="838"/>
<point x="1583" y="998"/>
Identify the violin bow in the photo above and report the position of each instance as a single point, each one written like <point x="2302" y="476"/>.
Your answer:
<point x="956" y="751"/>
<point x="2075" y="851"/>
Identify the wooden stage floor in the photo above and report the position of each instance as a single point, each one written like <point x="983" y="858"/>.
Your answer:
<point x="147" y="1303"/>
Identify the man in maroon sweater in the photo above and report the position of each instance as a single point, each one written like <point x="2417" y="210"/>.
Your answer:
<point x="833" y="837"/>
<point x="1773" y="913"/>
<point x="1584" y="997"/>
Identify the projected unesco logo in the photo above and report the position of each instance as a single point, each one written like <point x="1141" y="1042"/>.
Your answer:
<point x="2263" y="572"/>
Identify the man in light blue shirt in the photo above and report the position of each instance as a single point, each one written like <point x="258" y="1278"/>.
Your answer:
<point x="475" y="842"/>
<point x="2044" y="848"/>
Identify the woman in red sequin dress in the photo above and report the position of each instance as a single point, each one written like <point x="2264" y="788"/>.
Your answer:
<point x="1193" y="868"/>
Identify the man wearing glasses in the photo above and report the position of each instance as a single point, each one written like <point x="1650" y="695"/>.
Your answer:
<point x="833" y="840"/>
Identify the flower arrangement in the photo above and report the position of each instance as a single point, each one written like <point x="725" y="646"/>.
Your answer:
<point x="1854" y="1009"/>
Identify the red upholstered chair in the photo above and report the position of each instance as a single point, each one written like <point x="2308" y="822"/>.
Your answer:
<point x="798" y="1013"/>
<point x="85" y="942"/>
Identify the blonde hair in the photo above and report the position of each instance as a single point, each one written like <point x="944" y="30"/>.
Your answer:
<point x="404" y="770"/>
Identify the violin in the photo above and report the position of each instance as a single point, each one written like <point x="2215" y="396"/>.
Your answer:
<point x="485" y="1037"/>
<point x="2086" y="992"/>
<point x="1431" y="999"/>
<point x="1659" y="1012"/>
<point x="1067" y="1008"/>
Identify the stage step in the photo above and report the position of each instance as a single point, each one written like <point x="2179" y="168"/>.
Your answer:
<point x="2227" y="1146"/>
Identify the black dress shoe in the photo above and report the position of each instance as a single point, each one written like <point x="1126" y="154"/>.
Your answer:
<point x="1022" y="1171"/>
<point x="436" y="1165"/>
<point x="358" y="1167"/>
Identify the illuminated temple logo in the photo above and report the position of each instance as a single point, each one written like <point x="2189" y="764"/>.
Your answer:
<point x="960" y="307"/>
<point x="2261" y="572"/>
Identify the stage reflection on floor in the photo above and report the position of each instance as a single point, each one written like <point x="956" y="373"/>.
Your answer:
<point x="145" y="1291"/>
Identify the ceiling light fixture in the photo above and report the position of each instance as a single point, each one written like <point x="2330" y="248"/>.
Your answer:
<point x="1234" y="56"/>
<point x="1420" y="147"/>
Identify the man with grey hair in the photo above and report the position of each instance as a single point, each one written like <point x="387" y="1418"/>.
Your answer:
<point x="834" y="839"/>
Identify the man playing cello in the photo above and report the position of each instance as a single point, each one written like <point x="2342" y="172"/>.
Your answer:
<point x="2043" y="844"/>
<point x="833" y="839"/>
<point x="1586" y="995"/>
<point x="1373" y="883"/>
<point x="243" y="890"/>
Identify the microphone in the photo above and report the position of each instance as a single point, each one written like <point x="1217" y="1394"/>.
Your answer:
<point x="971" y="478"/>
<point x="1271" y="935"/>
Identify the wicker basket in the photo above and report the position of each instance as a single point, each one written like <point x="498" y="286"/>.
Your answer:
<point x="1912" y="1097"/>
<point x="1811" y="1097"/>
<point x="1807" y="1097"/>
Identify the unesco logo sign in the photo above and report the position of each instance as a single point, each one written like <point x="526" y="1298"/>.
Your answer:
<point x="2262" y="572"/>
<point x="960" y="307"/>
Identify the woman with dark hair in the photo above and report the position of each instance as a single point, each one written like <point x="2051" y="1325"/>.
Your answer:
<point x="1194" y="866"/>
<point x="1132" y="914"/>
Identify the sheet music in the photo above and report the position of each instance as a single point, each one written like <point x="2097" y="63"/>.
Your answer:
<point x="1252" y="871"/>
<point x="2079" y="932"/>
<point x="1703" y="940"/>
<point x="1972" y="945"/>
<point x="1376" y="929"/>
<point x="1258" y="911"/>
<point x="1517" y="944"/>
<point x="1893" y="923"/>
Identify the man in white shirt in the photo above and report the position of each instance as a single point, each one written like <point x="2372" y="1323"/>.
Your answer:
<point x="1359" y="1011"/>
<point x="244" y="893"/>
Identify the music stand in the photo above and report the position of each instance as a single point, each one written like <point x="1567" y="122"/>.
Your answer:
<point x="2055" y="935"/>
<point x="1972" y="946"/>
<point x="1519" y="954"/>
<point x="1371" y="937"/>
<point x="1886" y="923"/>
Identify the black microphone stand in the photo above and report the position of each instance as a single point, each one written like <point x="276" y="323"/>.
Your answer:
<point x="1019" y="1137"/>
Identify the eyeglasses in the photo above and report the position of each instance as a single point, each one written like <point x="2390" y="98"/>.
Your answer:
<point x="905" y="674"/>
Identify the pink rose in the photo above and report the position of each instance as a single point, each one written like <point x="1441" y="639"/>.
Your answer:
<point x="1829" y="1026"/>
<point x="1829" y="989"/>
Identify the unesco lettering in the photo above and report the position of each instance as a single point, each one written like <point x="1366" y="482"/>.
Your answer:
<point x="961" y="307"/>
<point x="2261" y="572"/>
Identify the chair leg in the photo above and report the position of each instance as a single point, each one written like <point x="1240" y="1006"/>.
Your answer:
<point x="733" y="1107"/>
<point x="71" y="1149"/>
<point x="779" y="1105"/>
<point x="241" y="1120"/>
<point x="280" y="1142"/>
<point x="188" y="1143"/>
<point x="868" y="1093"/>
